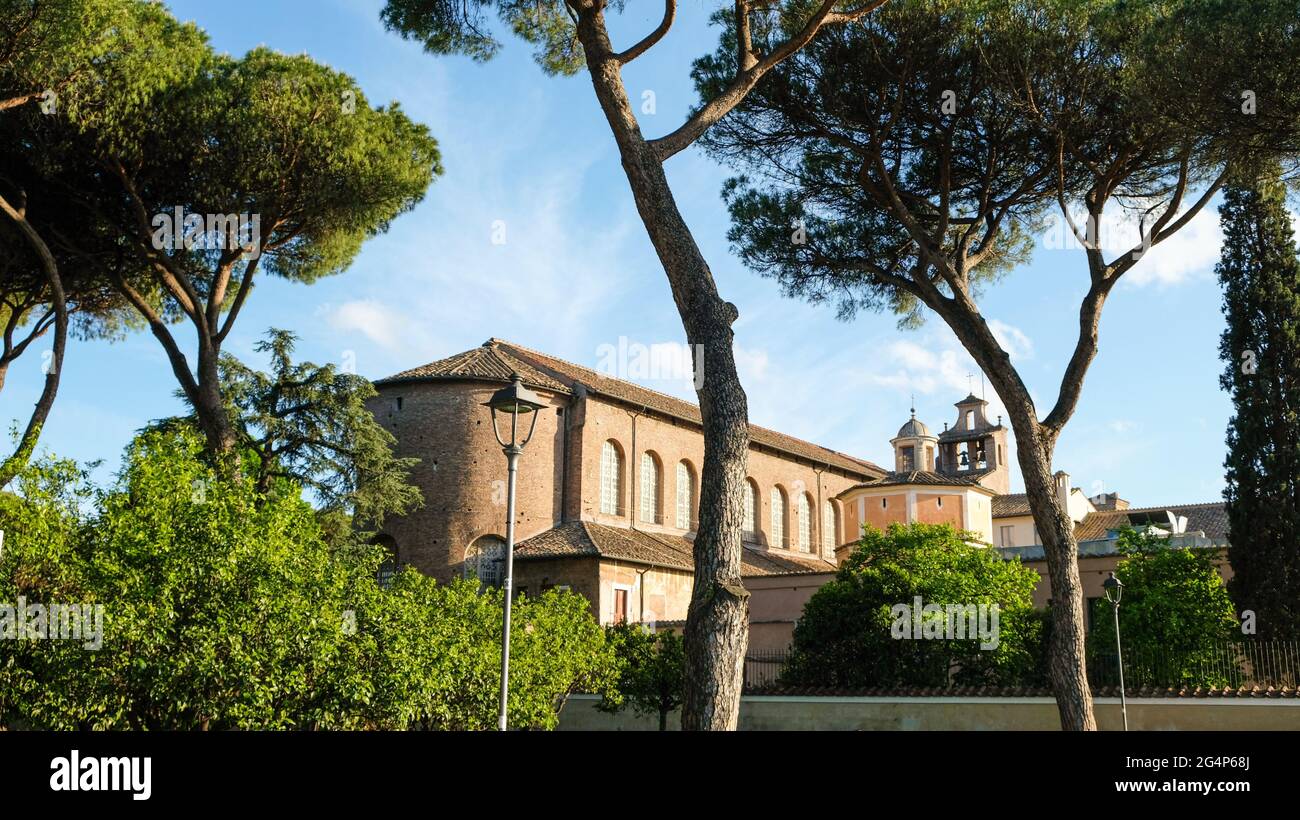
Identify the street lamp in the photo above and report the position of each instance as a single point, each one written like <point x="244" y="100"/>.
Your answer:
<point x="513" y="401"/>
<point x="1114" y="590"/>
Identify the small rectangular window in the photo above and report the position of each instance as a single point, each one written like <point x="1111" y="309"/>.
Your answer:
<point x="1006" y="536"/>
<point x="884" y="503"/>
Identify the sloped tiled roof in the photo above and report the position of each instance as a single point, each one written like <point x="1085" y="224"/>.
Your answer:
<point x="496" y="359"/>
<point x="1010" y="504"/>
<point x="760" y="562"/>
<point x="1210" y="518"/>
<point x="955" y="435"/>
<point x="577" y="539"/>
<point x="921" y="477"/>
<point x="484" y="362"/>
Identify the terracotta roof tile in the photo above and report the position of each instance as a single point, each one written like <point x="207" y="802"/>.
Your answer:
<point x="1010" y="504"/>
<point x="589" y="539"/>
<point x="485" y="362"/>
<point x="1210" y="518"/>
<point x="764" y="563"/>
<point x="921" y="477"/>
<point x="496" y="359"/>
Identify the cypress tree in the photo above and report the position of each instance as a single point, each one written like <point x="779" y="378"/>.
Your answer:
<point x="1260" y="274"/>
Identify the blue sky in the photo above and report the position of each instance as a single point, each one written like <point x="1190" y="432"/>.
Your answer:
<point x="576" y="272"/>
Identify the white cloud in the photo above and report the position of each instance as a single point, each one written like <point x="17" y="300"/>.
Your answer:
<point x="945" y="366"/>
<point x="1013" y="340"/>
<point x="370" y="318"/>
<point x="912" y="356"/>
<point x="1192" y="251"/>
<point x="381" y="324"/>
<point x="751" y="363"/>
<point x="1122" y="426"/>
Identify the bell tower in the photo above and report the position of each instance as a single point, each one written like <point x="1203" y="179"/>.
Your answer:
<point x="974" y="447"/>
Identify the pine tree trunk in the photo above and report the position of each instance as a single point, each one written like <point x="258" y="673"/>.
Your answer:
<point x="717" y="623"/>
<point x="58" y="300"/>
<point x="1066" y="658"/>
<point x="210" y="408"/>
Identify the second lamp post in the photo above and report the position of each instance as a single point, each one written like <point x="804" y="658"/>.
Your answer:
<point x="1114" y="590"/>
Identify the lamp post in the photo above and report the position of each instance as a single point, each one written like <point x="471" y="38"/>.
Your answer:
<point x="513" y="401"/>
<point x="1114" y="590"/>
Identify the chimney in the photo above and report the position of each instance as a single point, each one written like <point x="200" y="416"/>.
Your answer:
<point x="1063" y="489"/>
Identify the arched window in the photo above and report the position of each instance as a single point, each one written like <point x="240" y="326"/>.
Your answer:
<point x="650" y="488"/>
<point x="778" y="538"/>
<point x="750" y="526"/>
<point x="829" y="529"/>
<point x="389" y="566"/>
<point x="685" y="495"/>
<point x="611" y="478"/>
<point x="805" y="523"/>
<point x="485" y="560"/>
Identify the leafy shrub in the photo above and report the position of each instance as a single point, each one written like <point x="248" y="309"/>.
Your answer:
<point x="226" y="608"/>
<point x="844" y="637"/>
<point x="1175" y="616"/>
<point x="651" y="671"/>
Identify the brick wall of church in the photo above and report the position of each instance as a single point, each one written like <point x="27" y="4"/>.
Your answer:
<point x="462" y="471"/>
<point x="672" y="442"/>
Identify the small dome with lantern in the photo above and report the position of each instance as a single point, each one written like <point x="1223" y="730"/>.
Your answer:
<point x="914" y="446"/>
<point x="914" y="428"/>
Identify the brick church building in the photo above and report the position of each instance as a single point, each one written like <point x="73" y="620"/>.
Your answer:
<point x="608" y="487"/>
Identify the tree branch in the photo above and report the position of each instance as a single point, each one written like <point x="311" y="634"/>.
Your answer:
<point x="175" y="280"/>
<point x="670" y="12"/>
<point x="245" y="285"/>
<point x="667" y="146"/>
<point x="180" y="366"/>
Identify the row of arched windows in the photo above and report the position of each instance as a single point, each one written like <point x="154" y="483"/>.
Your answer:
<point x="785" y="531"/>
<point x="651" y="502"/>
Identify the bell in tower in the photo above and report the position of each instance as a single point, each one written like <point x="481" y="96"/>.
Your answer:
<point x="976" y="447"/>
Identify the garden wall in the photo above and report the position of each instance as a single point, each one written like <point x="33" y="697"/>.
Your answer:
<point x="784" y="712"/>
